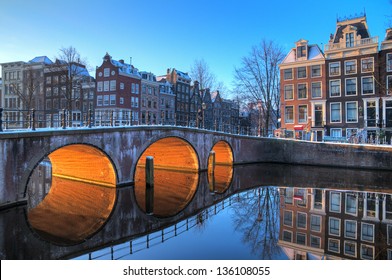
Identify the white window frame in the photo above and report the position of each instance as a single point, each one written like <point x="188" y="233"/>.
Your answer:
<point x="339" y="228"/>
<point x="306" y="91"/>
<point x="315" y="237"/>
<point x="356" y="206"/>
<point x="356" y="87"/>
<point x="334" y="240"/>
<point x="292" y="218"/>
<point x="355" y="250"/>
<point x="362" y="232"/>
<point x="311" y="71"/>
<point x="292" y="92"/>
<point x="356" y="111"/>
<point x="368" y="246"/>
<point x="291" y="237"/>
<point x="366" y="77"/>
<point x="284" y="74"/>
<point x="321" y="90"/>
<point x="388" y="63"/>
<point x="306" y="73"/>
<point x="330" y="202"/>
<point x="311" y="225"/>
<point x="339" y="69"/>
<point x="345" y="229"/>
<point x="389" y="91"/>
<point x="340" y="112"/>
<point x="367" y="70"/>
<point x="303" y="214"/>
<point x="290" y="121"/>
<point x="345" y="67"/>
<point x="106" y="72"/>
<point x="302" y="234"/>
<point x="330" y="88"/>
<point x="305" y="120"/>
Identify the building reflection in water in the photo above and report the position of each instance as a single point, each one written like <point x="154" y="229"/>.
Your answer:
<point x="335" y="224"/>
<point x="65" y="211"/>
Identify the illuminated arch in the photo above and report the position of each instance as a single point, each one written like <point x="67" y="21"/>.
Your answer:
<point x="220" y="179"/>
<point x="175" y="176"/>
<point x="81" y="197"/>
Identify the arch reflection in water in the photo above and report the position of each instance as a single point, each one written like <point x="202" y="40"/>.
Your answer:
<point x="175" y="176"/>
<point x="71" y="194"/>
<point x="220" y="167"/>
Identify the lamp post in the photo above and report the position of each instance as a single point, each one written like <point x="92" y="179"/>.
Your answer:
<point x="203" y="106"/>
<point x="259" y="104"/>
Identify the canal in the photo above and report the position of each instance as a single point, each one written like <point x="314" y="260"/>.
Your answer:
<point x="263" y="211"/>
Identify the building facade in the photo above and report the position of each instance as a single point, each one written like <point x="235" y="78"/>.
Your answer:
<point x="149" y="109"/>
<point x="118" y="93"/>
<point x="167" y="102"/>
<point x="303" y="92"/>
<point x="353" y="96"/>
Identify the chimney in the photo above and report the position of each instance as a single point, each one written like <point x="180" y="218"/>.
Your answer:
<point x="121" y="61"/>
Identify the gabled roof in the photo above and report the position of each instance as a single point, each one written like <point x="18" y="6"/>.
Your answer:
<point x="359" y="24"/>
<point x="314" y="52"/>
<point x="183" y="75"/>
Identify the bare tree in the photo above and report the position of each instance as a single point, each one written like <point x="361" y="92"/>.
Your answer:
<point x="200" y="72"/>
<point x="257" y="79"/>
<point x="72" y="69"/>
<point x="28" y="90"/>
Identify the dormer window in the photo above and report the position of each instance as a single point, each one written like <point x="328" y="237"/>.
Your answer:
<point x="350" y="40"/>
<point x="301" y="51"/>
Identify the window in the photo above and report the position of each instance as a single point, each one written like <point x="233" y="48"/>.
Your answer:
<point x="288" y="195"/>
<point x="49" y="80"/>
<point x="288" y="74"/>
<point x="371" y="113"/>
<point x="350" y="67"/>
<point x="301" y="72"/>
<point x="133" y="88"/>
<point x="303" y="113"/>
<point x="367" y="64"/>
<point x="106" y="72"/>
<point x="316" y="90"/>
<point x="367" y="232"/>
<point x="316" y="71"/>
<point x="336" y="113"/>
<point x="99" y="86"/>
<point x="334" y="69"/>
<point x="351" y="112"/>
<point x="389" y="62"/>
<point x="112" y="99"/>
<point x="315" y="223"/>
<point x="301" y="220"/>
<point x="301" y="51"/>
<point x="350" y="248"/>
<point x="121" y="85"/>
<point x="350" y="40"/>
<point x="367" y="85"/>
<point x="351" y="86"/>
<point x="112" y="85"/>
<point x="336" y="132"/>
<point x="334" y="245"/>
<point x="367" y="252"/>
<point x="388" y="207"/>
<point x="334" y="88"/>
<point x="106" y="86"/>
<point x="289" y="114"/>
<point x="335" y="202"/>
<point x="350" y="229"/>
<point x="288" y="218"/>
<point x="287" y="236"/>
<point x="315" y="242"/>
<point x="121" y="100"/>
<point x="389" y="234"/>
<point x="301" y="238"/>
<point x="302" y="91"/>
<point x="334" y="226"/>
<point x="288" y="92"/>
<point x="106" y="100"/>
<point x="389" y="85"/>
<point x="317" y="199"/>
<point x="351" y="204"/>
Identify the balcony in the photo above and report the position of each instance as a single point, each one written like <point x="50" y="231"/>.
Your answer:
<point x="355" y="44"/>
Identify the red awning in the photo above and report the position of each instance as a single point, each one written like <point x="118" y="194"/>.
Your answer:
<point x="298" y="127"/>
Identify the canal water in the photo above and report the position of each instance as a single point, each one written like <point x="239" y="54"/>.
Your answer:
<point x="264" y="211"/>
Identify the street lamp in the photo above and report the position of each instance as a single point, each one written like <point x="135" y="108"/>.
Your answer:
<point x="259" y="104"/>
<point x="203" y="106"/>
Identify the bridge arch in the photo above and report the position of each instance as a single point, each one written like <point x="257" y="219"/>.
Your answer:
<point x="80" y="198"/>
<point x="221" y="177"/>
<point x="176" y="177"/>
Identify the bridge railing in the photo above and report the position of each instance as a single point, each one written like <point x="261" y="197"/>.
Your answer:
<point x="31" y="120"/>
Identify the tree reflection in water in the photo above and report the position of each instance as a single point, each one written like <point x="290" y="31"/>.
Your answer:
<point x="256" y="215"/>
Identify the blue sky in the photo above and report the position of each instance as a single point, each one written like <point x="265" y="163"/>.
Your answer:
<point x="173" y="33"/>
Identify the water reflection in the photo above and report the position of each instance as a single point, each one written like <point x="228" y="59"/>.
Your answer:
<point x="335" y="224"/>
<point x="173" y="190"/>
<point x="66" y="211"/>
<point x="261" y="212"/>
<point x="220" y="180"/>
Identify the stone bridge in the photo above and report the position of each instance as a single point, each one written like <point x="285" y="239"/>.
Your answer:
<point x="110" y="156"/>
